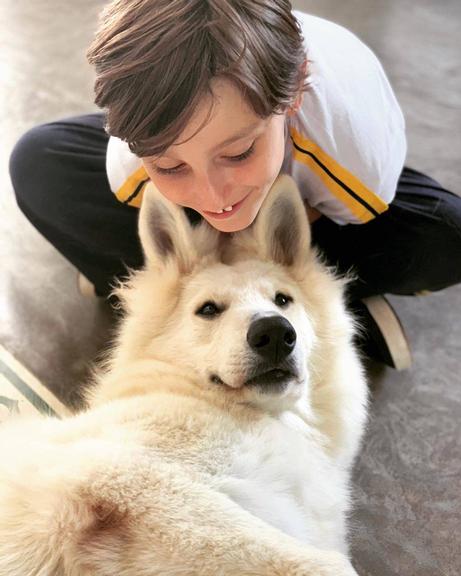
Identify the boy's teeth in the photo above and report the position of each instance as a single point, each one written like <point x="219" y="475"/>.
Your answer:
<point x="227" y="209"/>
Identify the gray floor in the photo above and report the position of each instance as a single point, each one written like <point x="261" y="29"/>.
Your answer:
<point x="408" y="508"/>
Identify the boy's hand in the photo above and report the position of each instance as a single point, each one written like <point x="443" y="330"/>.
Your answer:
<point x="312" y="213"/>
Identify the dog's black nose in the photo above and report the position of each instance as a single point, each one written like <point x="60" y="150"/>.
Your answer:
<point x="272" y="337"/>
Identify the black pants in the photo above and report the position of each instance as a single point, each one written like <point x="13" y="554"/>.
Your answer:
<point x="59" y="177"/>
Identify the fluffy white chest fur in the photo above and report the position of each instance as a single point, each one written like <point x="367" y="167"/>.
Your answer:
<point x="283" y="475"/>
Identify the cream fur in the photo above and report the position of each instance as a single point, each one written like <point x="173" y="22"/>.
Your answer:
<point x="170" y="473"/>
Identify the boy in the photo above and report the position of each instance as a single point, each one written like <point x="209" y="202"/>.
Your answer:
<point x="210" y="100"/>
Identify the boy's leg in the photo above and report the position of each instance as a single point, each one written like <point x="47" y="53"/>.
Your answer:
<point x="58" y="172"/>
<point x="412" y="247"/>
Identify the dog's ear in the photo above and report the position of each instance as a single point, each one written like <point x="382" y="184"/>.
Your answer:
<point x="165" y="231"/>
<point x="282" y="228"/>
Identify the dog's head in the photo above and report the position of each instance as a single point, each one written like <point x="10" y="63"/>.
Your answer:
<point x="236" y="310"/>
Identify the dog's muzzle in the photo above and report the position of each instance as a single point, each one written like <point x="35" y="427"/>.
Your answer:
<point x="272" y="339"/>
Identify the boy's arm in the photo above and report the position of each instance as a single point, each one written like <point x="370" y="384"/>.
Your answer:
<point x="312" y="213"/>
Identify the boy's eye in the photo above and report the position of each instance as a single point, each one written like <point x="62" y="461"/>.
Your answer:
<point x="238" y="158"/>
<point x="173" y="170"/>
<point x="244" y="155"/>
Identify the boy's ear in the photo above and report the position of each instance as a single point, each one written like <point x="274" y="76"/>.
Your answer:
<point x="297" y="103"/>
<point x="165" y="232"/>
<point x="281" y="228"/>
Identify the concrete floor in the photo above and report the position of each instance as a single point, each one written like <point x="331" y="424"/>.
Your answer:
<point x="408" y="497"/>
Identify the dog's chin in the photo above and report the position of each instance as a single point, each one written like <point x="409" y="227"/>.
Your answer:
<point x="275" y="381"/>
<point x="269" y="382"/>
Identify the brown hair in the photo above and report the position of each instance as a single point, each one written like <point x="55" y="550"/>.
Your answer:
<point x="155" y="60"/>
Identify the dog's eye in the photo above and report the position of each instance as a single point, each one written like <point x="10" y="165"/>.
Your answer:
<point x="282" y="299"/>
<point x="209" y="309"/>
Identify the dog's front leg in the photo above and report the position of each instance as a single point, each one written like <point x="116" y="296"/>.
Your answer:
<point x="196" y="531"/>
<point x="178" y="526"/>
<point x="95" y="508"/>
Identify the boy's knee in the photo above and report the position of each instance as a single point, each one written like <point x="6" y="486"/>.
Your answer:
<point x="26" y="160"/>
<point x="454" y="212"/>
<point x="445" y="256"/>
<point x="31" y="166"/>
<point x="449" y="208"/>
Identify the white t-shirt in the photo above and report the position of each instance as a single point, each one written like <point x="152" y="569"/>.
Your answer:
<point x="346" y="145"/>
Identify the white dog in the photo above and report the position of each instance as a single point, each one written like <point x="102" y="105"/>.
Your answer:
<point x="220" y="435"/>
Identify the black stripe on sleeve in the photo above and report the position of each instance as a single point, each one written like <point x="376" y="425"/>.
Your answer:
<point x="137" y="190"/>
<point x="336" y="179"/>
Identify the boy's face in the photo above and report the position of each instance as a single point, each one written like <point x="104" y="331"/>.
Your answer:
<point x="233" y="160"/>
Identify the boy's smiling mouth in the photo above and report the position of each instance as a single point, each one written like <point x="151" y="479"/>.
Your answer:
<point x="228" y="211"/>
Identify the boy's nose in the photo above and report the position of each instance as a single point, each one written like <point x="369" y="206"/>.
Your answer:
<point x="211" y="192"/>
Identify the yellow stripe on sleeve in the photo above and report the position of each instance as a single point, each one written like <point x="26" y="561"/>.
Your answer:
<point x="348" y="189"/>
<point x="131" y="191"/>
